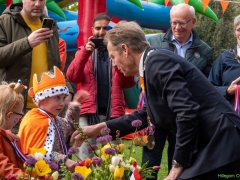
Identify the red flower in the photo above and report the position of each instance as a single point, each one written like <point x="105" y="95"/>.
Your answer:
<point x="87" y="162"/>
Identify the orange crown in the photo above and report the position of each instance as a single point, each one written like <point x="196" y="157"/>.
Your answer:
<point x="47" y="82"/>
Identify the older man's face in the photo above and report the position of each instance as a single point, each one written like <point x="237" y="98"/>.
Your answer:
<point x="123" y="61"/>
<point x="182" y="24"/>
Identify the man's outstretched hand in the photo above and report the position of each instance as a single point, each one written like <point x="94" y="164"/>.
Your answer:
<point x="89" y="131"/>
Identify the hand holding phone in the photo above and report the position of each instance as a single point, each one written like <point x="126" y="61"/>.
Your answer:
<point x="98" y="42"/>
<point x="47" y="23"/>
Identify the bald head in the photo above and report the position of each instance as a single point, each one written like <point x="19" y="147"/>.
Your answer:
<point x="183" y="9"/>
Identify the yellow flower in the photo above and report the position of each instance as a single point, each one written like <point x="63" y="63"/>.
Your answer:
<point x="104" y="155"/>
<point x="83" y="170"/>
<point x="55" y="175"/>
<point x="118" y="173"/>
<point x="40" y="150"/>
<point x="120" y="147"/>
<point x="42" y="168"/>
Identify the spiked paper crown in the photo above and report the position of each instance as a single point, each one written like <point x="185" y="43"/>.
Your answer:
<point x="48" y="86"/>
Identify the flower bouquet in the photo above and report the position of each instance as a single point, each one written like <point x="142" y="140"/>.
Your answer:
<point x="111" y="161"/>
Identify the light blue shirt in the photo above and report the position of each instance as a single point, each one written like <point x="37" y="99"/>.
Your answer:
<point x="181" y="49"/>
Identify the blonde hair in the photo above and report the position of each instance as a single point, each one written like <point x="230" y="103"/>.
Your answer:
<point x="10" y="97"/>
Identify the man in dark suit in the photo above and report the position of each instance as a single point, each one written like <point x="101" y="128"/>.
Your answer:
<point x="182" y="39"/>
<point x="178" y="98"/>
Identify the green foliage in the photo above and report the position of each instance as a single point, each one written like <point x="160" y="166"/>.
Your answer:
<point x="218" y="36"/>
<point x="163" y="172"/>
<point x="151" y="31"/>
<point x="73" y="7"/>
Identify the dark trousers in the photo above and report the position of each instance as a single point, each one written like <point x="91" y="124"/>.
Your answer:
<point x="230" y="171"/>
<point x="154" y="156"/>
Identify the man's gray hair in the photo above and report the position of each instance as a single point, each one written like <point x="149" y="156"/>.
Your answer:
<point x="236" y="22"/>
<point x="129" y="33"/>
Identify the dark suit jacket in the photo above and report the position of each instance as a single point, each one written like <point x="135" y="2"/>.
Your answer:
<point x="180" y="98"/>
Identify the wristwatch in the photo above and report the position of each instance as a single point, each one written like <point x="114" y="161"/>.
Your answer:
<point x="176" y="164"/>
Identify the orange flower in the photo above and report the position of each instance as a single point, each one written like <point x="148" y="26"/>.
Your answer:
<point x="87" y="162"/>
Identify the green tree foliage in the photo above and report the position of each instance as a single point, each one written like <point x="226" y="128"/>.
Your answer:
<point x="218" y="36"/>
<point x="151" y="31"/>
<point x="73" y="7"/>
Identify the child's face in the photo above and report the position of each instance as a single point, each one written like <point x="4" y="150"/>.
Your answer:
<point x="14" y="116"/>
<point x="53" y="105"/>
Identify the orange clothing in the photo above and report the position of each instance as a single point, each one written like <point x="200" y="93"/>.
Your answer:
<point x="10" y="163"/>
<point x="63" y="52"/>
<point x="33" y="130"/>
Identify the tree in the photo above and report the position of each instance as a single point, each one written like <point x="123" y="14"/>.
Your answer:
<point x="219" y="36"/>
<point x="73" y="7"/>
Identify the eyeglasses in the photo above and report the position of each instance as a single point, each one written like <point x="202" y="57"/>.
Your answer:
<point x="238" y="30"/>
<point x="21" y="115"/>
<point x="181" y="24"/>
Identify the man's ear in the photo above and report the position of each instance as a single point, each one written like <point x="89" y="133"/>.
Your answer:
<point x="194" y="21"/>
<point x="124" y="49"/>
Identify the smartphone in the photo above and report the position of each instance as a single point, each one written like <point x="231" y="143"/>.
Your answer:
<point x="47" y="23"/>
<point x="98" y="42"/>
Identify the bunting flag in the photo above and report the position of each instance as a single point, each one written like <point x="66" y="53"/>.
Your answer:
<point x="205" y="4"/>
<point x="135" y="174"/>
<point x="186" y="1"/>
<point x="166" y="2"/>
<point x="224" y="5"/>
<point x="113" y="23"/>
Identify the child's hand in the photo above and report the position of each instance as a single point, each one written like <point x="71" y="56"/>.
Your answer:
<point x="69" y="163"/>
<point x="73" y="111"/>
<point x="80" y="96"/>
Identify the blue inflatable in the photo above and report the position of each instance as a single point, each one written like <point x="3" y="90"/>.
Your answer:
<point x="68" y="30"/>
<point x="153" y="16"/>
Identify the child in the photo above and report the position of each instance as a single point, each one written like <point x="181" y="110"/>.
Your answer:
<point x="11" y="106"/>
<point x="41" y="127"/>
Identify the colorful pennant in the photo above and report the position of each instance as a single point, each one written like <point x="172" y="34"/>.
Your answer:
<point x="205" y="4"/>
<point x="224" y="5"/>
<point x="166" y="2"/>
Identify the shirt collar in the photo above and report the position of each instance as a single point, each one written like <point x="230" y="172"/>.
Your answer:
<point x="141" y="64"/>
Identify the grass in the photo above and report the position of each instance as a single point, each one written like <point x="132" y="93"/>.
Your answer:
<point x="138" y="156"/>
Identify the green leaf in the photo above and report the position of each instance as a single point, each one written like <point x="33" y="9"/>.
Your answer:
<point x="137" y="3"/>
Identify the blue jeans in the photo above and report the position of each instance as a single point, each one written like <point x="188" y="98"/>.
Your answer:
<point x="154" y="156"/>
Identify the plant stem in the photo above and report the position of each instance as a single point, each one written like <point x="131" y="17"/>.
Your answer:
<point x="130" y="153"/>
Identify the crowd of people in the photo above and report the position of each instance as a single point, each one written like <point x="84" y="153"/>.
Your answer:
<point x="188" y="99"/>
